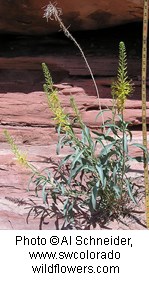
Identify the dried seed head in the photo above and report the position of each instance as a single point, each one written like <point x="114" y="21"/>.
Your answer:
<point x="52" y="12"/>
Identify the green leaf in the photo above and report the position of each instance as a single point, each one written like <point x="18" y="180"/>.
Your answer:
<point x="77" y="156"/>
<point x="87" y="133"/>
<point x="101" y="113"/>
<point x="103" y="136"/>
<point x="140" y="146"/>
<point x="74" y="172"/>
<point x="117" y="190"/>
<point x="39" y="182"/>
<point x="106" y="149"/>
<point x="44" y="193"/>
<point x="114" y="174"/>
<point x="94" y="195"/>
<point x="125" y="147"/>
<point x="130" y="134"/>
<point x="109" y="138"/>
<point x="129" y="188"/>
<point x="114" y="128"/>
<point x="99" y="134"/>
<point x="101" y="175"/>
<point x="108" y="131"/>
<point x="65" y="206"/>
<point x="61" y="188"/>
<point x="64" y="160"/>
<point x="98" y="140"/>
<point x="60" y="142"/>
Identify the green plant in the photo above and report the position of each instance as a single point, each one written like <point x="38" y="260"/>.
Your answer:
<point x="122" y="87"/>
<point x="92" y="182"/>
<point x="93" y="179"/>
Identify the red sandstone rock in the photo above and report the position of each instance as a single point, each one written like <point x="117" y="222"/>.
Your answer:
<point x="26" y="17"/>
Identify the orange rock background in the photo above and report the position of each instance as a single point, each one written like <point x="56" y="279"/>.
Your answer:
<point x="25" y="17"/>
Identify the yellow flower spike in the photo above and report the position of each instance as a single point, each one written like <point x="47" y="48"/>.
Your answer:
<point x="21" y="157"/>
<point x="59" y="116"/>
<point x="54" y="103"/>
<point x="122" y="87"/>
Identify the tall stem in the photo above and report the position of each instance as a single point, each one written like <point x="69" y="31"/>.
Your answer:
<point x="123" y="153"/>
<point x="52" y="12"/>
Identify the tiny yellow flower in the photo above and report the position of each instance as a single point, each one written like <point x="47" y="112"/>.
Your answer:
<point x="54" y="103"/>
<point x="21" y="157"/>
<point x="122" y="87"/>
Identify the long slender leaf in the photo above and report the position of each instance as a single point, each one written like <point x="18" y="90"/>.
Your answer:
<point x="106" y="149"/>
<point x="44" y="193"/>
<point x="101" y="112"/>
<point x="101" y="175"/>
<point x="125" y="147"/>
<point x="117" y="190"/>
<point x="94" y="195"/>
<point x="129" y="189"/>
<point x="76" y="158"/>
<point x="140" y="146"/>
<point x="64" y="160"/>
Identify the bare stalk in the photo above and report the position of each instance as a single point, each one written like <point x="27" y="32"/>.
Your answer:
<point x="53" y="13"/>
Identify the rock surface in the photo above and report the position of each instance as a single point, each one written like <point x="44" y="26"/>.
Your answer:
<point x="26" y="17"/>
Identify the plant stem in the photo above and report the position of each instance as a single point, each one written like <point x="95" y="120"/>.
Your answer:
<point x="52" y="11"/>
<point x="123" y="153"/>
